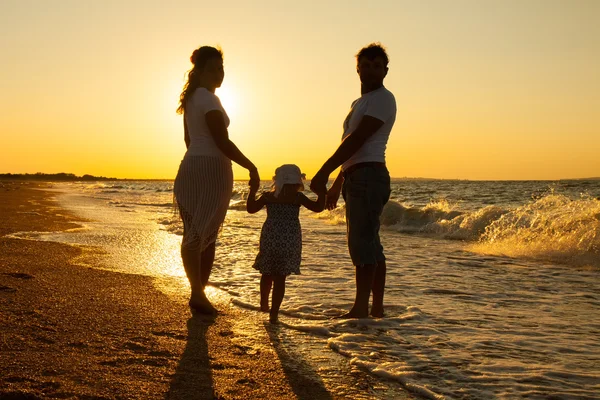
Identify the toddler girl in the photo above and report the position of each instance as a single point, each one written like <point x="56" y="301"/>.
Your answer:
<point x="280" y="250"/>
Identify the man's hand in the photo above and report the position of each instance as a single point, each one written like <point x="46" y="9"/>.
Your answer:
<point x="318" y="183"/>
<point x="333" y="196"/>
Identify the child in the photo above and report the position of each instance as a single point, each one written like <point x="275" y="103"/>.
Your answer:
<point x="280" y="250"/>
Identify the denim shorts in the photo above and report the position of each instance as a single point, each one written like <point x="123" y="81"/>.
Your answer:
<point x="366" y="190"/>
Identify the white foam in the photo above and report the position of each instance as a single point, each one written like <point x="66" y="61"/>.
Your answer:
<point x="308" y="328"/>
<point x="553" y="228"/>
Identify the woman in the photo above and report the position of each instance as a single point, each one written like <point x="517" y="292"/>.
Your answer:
<point x="204" y="182"/>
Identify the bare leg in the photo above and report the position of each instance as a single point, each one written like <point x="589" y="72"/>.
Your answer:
<point x="364" y="282"/>
<point x="206" y="263"/>
<point x="266" y="282"/>
<point x="278" y="294"/>
<point x="378" y="289"/>
<point x="191" y="263"/>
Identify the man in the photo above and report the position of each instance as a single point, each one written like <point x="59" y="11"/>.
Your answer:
<point x="364" y="179"/>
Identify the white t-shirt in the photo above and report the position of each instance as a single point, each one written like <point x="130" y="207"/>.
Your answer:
<point x="380" y="104"/>
<point x="201" y="141"/>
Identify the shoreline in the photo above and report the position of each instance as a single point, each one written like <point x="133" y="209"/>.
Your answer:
<point x="42" y="180"/>
<point x="74" y="330"/>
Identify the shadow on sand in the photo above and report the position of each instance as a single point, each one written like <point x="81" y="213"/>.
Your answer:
<point x="302" y="378"/>
<point x="193" y="377"/>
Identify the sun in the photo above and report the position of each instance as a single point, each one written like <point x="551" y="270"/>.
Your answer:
<point x="228" y="99"/>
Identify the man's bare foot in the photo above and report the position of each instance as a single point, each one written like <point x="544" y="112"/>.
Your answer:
<point x="274" y="318"/>
<point x="353" y="314"/>
<point x="264" y="307"/>
<point x="377" y="312"/>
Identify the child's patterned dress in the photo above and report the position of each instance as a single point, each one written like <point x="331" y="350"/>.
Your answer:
<point x="280" y="250"/>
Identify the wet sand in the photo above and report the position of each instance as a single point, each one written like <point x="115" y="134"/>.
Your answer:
<point x="70" y="330"/>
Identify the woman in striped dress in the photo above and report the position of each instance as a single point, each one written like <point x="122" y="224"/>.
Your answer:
<point x="204" y="182"/>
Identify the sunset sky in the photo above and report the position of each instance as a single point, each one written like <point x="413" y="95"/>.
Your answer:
<point x="505" y="89"/>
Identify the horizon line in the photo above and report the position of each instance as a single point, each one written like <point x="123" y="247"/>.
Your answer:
<point x="90" y="177"/>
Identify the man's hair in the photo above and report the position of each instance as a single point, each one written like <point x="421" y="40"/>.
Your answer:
<point x="372" y="51"/>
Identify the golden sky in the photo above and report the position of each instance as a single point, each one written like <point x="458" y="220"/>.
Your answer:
<point x="486" y="89"/>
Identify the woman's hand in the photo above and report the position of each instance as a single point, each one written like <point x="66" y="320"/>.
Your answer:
<point x="254" y="179"/>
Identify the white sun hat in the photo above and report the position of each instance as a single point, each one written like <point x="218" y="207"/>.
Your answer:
<point x="287" y="174"/>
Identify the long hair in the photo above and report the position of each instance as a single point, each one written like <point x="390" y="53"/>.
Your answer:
<point x="199" y="58"/>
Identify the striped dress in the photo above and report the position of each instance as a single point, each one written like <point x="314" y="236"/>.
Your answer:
<point x="202" y="189"/>
<point x="204" y="182"/>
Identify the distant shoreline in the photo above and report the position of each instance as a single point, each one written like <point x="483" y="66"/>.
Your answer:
<point x="68" y="177"/>
<point x="62" y="176"/>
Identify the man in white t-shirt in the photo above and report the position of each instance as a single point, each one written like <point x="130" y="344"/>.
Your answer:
<point x="364" y="179"/>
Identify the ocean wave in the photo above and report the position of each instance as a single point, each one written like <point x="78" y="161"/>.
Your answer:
<point x="403" y="218"/>
<point x="171" y="224"/>
<point x="117" y="203"/>
<point x="168" y="204"/>
<point x="336" y="216"/>
<point x="239" y="194"/>
<point x="413" y="219"/>
<point x="239" y="205"/>
<point x="467" y="226"/>
<point x="111" y="186"/>
<point x="554" y="228"/>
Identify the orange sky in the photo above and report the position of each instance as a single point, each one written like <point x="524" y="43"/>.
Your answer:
<point x="485" y="89"/>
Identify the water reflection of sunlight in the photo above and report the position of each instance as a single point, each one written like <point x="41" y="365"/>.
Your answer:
<point x="211" y="291"/>
<point x="216" y="295"/>
<point x="166" y="255"/>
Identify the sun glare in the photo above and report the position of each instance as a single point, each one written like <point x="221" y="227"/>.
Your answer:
<point x="228" y="100"/>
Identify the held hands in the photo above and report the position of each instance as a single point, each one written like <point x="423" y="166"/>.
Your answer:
<point x="333" y="196"/>
<point x="254" y="182"/>
<point x="318" y="183"/>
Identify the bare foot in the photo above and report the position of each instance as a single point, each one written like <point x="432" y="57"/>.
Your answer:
<point x="204" y="309"/>
<point x="203" y="306"/>
<point x="352" y="314"/>
<point x="264" y="307"/>
<point x="274" y="318"/>
<point x="377" y="312"/>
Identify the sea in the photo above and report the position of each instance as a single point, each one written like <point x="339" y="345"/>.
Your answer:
<point x="493" y="287"/>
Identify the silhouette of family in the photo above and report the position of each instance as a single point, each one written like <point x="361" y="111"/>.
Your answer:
<point x="204" y="185"/>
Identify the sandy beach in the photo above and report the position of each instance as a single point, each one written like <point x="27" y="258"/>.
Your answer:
<point x="69" y="330"/>
<point x="93" y="300"/>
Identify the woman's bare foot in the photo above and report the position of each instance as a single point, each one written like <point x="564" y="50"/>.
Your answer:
<point x="201" y="304"/>
<point x="203" y="308"/>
